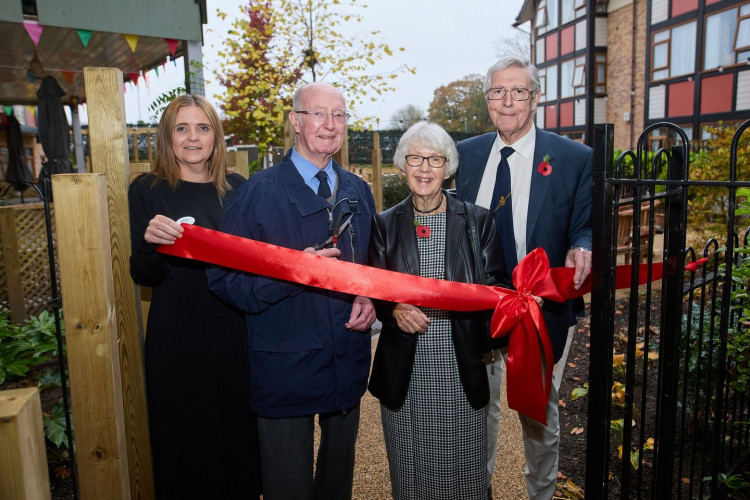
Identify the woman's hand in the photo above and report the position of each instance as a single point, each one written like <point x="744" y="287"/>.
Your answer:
<point x="410" y="318"/>
<point x="162" y="230"/>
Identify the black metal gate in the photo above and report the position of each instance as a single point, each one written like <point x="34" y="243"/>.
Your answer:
<point x="666" y="417"/>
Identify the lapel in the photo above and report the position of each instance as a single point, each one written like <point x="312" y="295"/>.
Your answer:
<point x="455" y="231"/>
<point x="299" y="193"/>
<point x="475" y="162"/>
<point x="407" y="236"/>
<point x="539" y="183"/>
<point x="454" y="235"/>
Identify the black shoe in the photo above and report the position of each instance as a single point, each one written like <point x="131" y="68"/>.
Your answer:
<point x="489" y="492"/>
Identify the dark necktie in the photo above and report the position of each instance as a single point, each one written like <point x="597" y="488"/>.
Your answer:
<point x="323" y="190"/>
<point x="501" y="196"/>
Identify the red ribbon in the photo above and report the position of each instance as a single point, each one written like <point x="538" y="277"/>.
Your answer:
<point x="515" y="310"/>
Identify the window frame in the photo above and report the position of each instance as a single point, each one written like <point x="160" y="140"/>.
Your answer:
<point x="738" y="19"/>
<point x="597" y="64"/>
<point x="668" y="41"/>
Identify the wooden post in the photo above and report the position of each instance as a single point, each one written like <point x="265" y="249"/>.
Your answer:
<point x="12" y="264"/>
<point x="377" y="177"/>
<point x="91" y="334"/>
<point x="342" y="156"/>
<point x="109" y="154"/>
<point x="23" y="455"/>
<point x="288" y="133"/>
<point x="237" y="161"/>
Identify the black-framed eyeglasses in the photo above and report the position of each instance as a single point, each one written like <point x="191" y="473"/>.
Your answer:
<point x="320" y="117"/>
<point x="433" y="161"/>
<point x="517" y="94"/>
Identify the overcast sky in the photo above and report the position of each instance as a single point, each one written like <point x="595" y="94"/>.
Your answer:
<point x="445" y="40"/>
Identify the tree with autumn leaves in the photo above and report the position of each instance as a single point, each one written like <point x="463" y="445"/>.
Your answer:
<point x="460" y="106"/>
<point x="277" y="45"/>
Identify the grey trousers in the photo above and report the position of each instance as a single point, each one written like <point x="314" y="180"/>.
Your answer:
<point x="541" y="442"/>
<point x="286" y="453"/>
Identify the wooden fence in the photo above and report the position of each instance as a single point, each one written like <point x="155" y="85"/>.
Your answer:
<point x="24" y="260"/>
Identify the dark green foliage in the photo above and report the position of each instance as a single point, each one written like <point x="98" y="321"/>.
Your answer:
<point x="27" y="345"/>
<point x="395" y="189"/>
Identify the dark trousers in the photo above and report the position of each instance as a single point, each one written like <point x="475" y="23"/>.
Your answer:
<point x="286" y="451"/>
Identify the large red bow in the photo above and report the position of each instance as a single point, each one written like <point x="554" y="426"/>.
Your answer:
<point x="529" y="368"/>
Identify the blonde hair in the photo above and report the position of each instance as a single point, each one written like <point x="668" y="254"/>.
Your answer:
<point x="166" y="166"/>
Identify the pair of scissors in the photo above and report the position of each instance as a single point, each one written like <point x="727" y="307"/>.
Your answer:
<point x="334" y="238"/>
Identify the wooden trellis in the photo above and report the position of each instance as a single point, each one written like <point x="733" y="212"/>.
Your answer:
<point x="24" y="260"/>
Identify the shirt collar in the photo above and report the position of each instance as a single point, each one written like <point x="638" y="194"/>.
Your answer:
<point x="307" y="169"/>
<point x="523" y="146"/>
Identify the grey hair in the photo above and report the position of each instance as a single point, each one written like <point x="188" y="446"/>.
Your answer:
<point x="297" y="96"/>
<point x="514" y="62"/>
<point x="427" y="135"/>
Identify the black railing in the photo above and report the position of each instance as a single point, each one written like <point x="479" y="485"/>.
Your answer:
<point x="670" y="421"/>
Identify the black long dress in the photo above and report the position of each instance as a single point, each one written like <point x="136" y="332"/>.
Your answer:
<point x="204" y="439"/>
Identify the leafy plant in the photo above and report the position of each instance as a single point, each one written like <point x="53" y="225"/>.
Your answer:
<point x="54" y="425"/>
<point x="162" y="101"/>
<point x="738" y="336"/>
<point x="27" y="345"/>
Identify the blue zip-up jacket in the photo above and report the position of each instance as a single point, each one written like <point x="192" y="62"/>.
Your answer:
<point x="303" y="359"/>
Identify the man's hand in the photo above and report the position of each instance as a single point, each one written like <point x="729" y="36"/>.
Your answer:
<point x="581" y="260"/>
<point x="326" y="252"/>
<point x="363" y="314"/>
<point x="410" y="319"/>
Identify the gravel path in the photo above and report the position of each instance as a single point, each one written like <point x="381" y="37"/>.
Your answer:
<point x="371" y="481"/>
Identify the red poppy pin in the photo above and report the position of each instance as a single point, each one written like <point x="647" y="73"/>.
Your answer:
<point x="422" y="230"/>
<point x="545" y="168"/>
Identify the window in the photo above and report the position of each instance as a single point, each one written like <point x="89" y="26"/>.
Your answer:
<point x="566" y="78"/>
<point x="673" y="52"/>
<point x="727" y="39"/>
<point x="548" y="83"/>
<point x="576" y="136"/>
<point x="666" y="137"/>
<point x="572" y="77"/>
<point x="552" y="18"/>
<point x="551" y="89"/>
<point x="571" y="10"/>
<point x="579" y="74"/>
<point x="600" y="73"/>
<point x="541" y="15"/>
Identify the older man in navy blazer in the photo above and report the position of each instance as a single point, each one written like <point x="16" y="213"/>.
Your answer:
<point x="538" y="184"/>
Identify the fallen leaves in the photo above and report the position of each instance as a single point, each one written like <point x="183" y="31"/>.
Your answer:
<point x="577" y="430"/>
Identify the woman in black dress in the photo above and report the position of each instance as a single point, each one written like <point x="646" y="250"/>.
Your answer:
<point x="203" y="435"/>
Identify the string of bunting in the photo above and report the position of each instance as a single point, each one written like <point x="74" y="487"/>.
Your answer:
<point x="529" y="366"/>
<point x="35" y="30"/>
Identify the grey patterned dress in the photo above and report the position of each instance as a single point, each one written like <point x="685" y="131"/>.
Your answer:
<point x="436" y="442"/>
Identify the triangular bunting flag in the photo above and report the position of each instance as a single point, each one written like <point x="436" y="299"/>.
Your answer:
<point x="132" y="41"/>
<point x="68" y="76"/>
<point x="34" y="30"/>
<point x="156" y="70"/>
<point x="134" y="77"/>
<point x="30" y="76"/>
<point x="8" y="110"/>
<point x="145" y="79"/>
<point x="85" y="36"/>
<point x="172" y="44"/>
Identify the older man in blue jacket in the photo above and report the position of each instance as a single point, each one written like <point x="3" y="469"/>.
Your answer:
<point x="309" y="347"/>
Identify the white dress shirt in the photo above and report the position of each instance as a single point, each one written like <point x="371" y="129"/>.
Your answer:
<point x="521" y="168"/>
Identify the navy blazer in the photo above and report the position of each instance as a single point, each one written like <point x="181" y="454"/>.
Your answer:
<point x="559" y="215"/>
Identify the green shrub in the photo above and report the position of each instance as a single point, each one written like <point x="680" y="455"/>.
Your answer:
<point x="27" y="345"/>
<point x="395" y="189"/>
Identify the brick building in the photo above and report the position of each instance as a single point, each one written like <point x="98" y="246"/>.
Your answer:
<point x="682" y="61"/>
